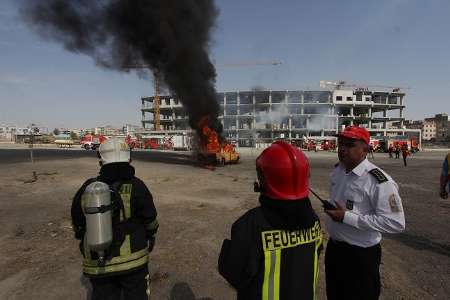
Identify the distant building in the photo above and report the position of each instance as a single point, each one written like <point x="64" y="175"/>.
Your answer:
<point x="132" y="130"/>
<point x="438" y="126"/>
<point x="429" y="129"/>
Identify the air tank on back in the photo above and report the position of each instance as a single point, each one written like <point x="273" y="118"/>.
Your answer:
<point x="98" y="213"/>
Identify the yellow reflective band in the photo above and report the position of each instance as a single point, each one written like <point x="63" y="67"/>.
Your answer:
<point x="125" y="248"/>
<point x="280" y="239"/>
<point x="118" y="259"/>
<point x="271" y="284"/>
<point x="276" y="288"/>
<point x="125" y="194"/>
<point x="127" y="265"/>
<point x="267" y="264"/>
<point x="316" y="266"/>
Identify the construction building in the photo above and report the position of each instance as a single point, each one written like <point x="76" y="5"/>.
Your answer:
<point x="252" y="118"/>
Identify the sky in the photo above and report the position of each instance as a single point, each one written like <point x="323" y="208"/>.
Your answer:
<point x="402" y="43"/>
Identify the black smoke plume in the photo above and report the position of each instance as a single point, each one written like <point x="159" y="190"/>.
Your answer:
<point x="171" y="37"/>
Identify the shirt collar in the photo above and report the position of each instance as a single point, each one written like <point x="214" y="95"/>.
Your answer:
<point x="359" y="169"/>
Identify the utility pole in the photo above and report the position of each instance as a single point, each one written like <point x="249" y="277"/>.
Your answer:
<point x="32" y="130"/>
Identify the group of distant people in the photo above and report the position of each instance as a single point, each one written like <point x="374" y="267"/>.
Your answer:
<point x="397" y="149"/>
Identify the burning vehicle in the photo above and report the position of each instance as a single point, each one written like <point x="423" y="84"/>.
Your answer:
<point x="212" y="149"/>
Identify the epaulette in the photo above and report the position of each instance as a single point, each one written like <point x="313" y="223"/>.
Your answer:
<point x="379" y="176"/>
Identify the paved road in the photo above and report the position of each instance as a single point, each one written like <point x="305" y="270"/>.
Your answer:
<point x="8" y="156"/>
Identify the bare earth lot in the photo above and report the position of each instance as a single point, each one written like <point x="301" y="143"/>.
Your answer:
<point x="39" y="258"/>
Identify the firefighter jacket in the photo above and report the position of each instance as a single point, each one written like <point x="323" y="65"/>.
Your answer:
<point x="131" y="236"/>
<point x="273" y="252"/>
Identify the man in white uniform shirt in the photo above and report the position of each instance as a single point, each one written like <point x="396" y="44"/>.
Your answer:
<point x="367" y="204"/>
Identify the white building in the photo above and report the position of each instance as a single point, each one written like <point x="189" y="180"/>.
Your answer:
<point x="264" y="116"/>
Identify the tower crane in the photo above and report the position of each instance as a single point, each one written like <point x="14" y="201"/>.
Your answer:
<point x="253" y="63"/>
<point x="157" y="91"/>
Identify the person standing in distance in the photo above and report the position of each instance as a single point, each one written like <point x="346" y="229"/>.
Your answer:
<point x="367" y="204"/>
<point x="445" y="178"/>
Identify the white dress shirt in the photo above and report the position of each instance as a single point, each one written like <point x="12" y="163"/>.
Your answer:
<point x="372" y="207"/>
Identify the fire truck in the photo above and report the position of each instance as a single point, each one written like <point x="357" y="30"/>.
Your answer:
<point x="91" y="142"/>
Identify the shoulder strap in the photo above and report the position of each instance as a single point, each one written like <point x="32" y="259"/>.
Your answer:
<point x="116" y="199"/>
<point x="379" y="176"/>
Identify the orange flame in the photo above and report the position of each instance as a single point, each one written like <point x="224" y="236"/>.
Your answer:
<point x="211" y="140"/>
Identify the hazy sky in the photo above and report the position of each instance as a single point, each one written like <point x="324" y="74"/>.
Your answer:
<point x="383" y="42"/>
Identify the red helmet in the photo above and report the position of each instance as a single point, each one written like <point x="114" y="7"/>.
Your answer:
<point x="283" y="171"/>
<point x="355" y="133"/>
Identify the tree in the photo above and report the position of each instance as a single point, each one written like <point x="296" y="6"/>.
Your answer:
<point x="56" y="131"/>
<point x="73" y="135"/>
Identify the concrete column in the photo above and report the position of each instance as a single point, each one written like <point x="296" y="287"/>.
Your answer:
<point x="401" y="113"/>
<point x="351" y="111"/>
<point x="238" y="104"/>
<point x="370" y="112"/>
<point x="290" y="126"/>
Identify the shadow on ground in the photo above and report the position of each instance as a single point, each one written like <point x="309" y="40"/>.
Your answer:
<point x="420" y="243"/>
<point x="182" y="291"/>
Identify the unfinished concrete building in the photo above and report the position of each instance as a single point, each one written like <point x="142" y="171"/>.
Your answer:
<point x="252" y="117"/>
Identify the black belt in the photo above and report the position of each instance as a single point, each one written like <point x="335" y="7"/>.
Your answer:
<point x="347" y="245"/>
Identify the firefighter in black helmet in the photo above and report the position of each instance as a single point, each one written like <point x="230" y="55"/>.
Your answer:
<point x="274" y="248"/>
<point x="124" y="273"/>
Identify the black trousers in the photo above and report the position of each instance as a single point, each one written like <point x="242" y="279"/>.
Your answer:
<point x="129" y="286"/>
<point x="352" y="272"/>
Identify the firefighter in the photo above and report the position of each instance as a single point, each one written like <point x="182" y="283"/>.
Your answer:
<point x="274" y="248"/>
<point x="445" y="177"/>
<point x="405" y="153"/>
<point x="125" y="270"/>
<point x="390" y="150"/>
<point x="367" y="204"/>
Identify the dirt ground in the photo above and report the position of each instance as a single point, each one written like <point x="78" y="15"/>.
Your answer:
<point x="39" y="259"/>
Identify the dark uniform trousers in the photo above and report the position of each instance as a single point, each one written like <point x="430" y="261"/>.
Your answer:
<point x="129" y="286"/>
<point x="352" y="272"/>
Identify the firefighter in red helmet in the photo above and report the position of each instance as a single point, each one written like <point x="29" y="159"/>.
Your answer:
<point x="274" y="248"/>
